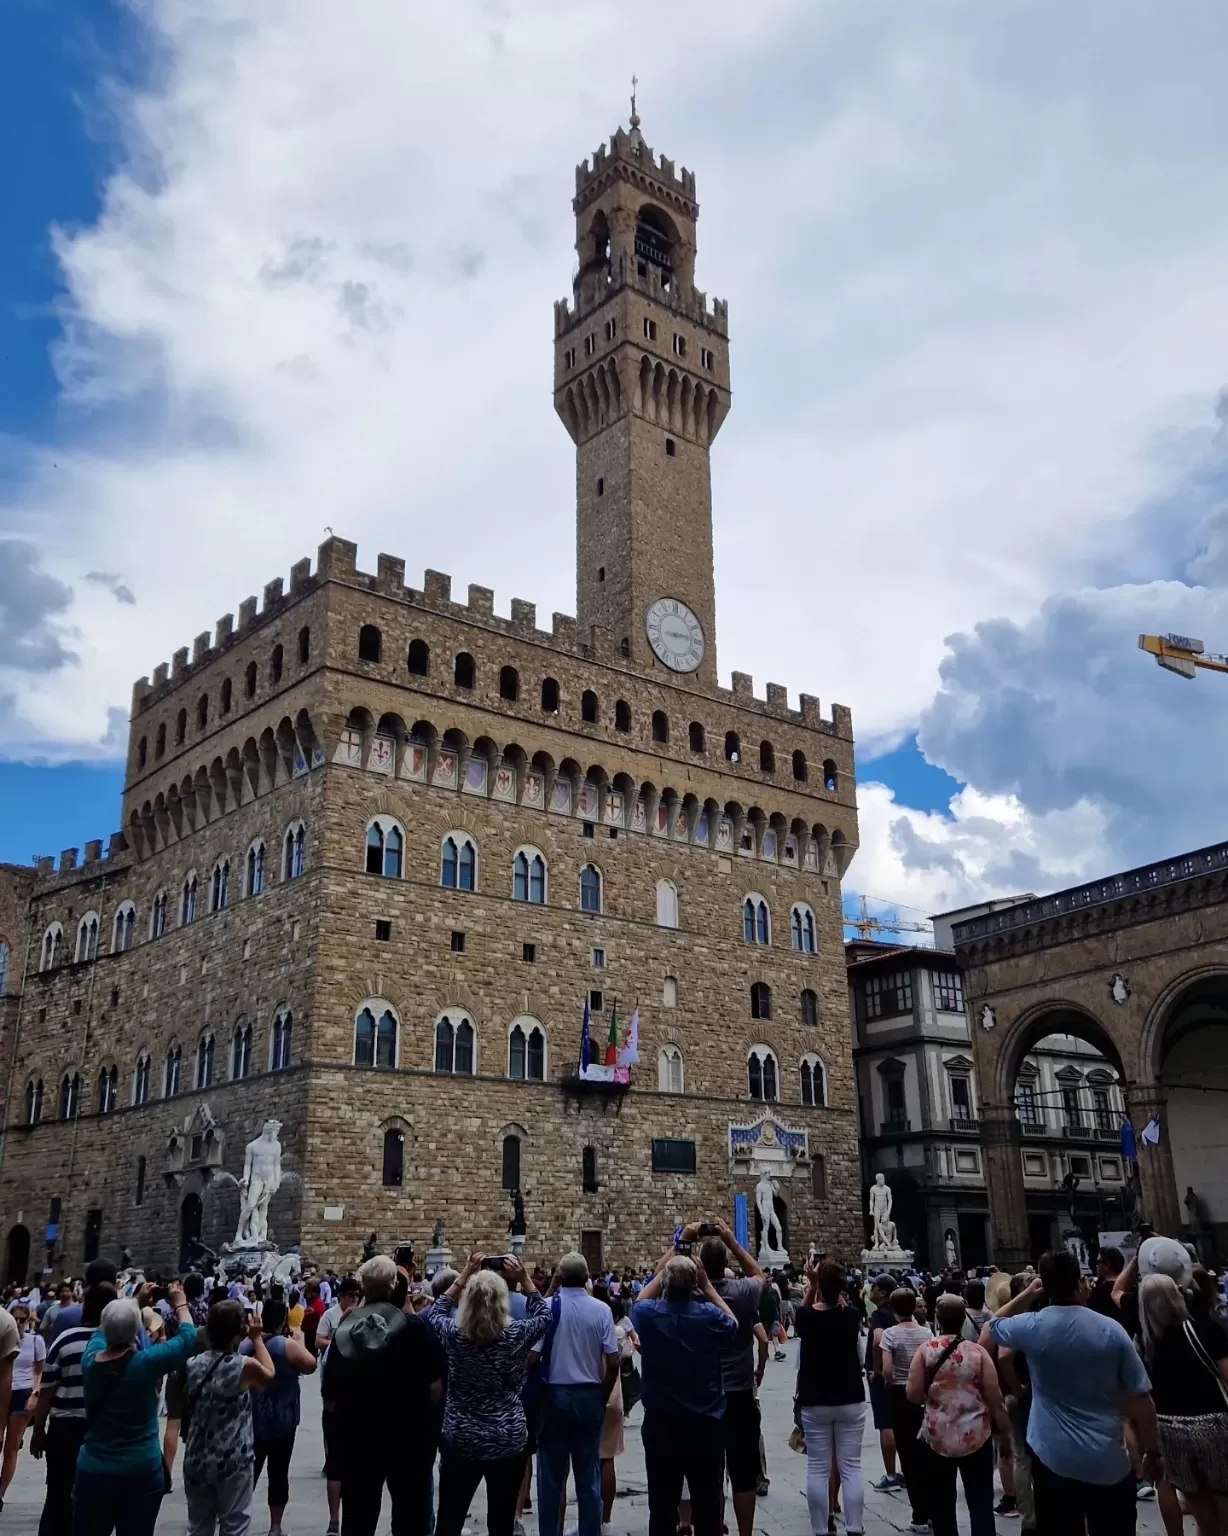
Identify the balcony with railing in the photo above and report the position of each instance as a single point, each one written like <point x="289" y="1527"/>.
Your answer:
<point x="1033" y="1128"/>
<point x="1075" y="1130"/>
<point x="965" y="1125"/>
<point x="895" y="1123"/>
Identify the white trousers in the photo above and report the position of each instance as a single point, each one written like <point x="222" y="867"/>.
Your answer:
<point x="834" y="1433"/>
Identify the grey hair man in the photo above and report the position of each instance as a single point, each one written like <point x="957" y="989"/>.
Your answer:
<point x="581" y="1366"/>
<point x="685" y="1329"/>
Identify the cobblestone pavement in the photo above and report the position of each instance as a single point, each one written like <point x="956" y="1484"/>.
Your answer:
<point x="781" y="1513"/>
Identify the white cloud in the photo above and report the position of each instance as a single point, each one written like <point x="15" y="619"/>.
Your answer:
<point x="974" y="258"/>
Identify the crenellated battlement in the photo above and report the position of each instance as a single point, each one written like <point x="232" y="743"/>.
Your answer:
<point x="627" y="154"/>
<point x="692" y="303"/>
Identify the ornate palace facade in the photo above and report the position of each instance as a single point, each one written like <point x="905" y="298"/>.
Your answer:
<point x="380" y="845"/>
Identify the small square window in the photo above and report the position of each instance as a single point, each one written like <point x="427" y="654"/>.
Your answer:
<point x="610" y="327"/>
<point x="42" y="1015"/>
<point x="650" y="330"/>
<point x="613" y="831"/>
<point x="587" y="828"/>
<point x="596" y="1002"/>
<point x="529" y="953"/>
<point x="706" y="358"/>
<point x="1081" y="1167"/>
<point x="383" y="929"/>
<point x="671" y="448"/>
<point x="569" y="357"/>
<point x="114" y="997"/>
<point x="458" y="943"/>
<point x="599" y="959"/>
<point x="590" y="345"/>
<point x="679" y="345"/>
<point x="76" y="1006"/>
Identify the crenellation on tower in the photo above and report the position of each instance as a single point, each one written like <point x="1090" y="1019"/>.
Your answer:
<point x="223" y="631"/>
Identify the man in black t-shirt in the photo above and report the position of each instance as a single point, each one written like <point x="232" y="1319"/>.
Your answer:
<point x="384" y="1369"/>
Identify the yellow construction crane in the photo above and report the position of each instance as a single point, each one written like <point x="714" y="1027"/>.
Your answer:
<point x="868" y="926"/>
<point x="1181" y="654"/>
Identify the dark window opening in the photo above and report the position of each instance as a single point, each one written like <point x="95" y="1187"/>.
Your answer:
<point x="799" y="767"/>
<point x="550" y="696"/>
<point x="600" y="485"/>
<point x="227" y="694"/>
<point x="383" y="929"/>
<point x="671" y="449"/>
<point x="275" y="663"/>
<point x="670" y="1156"/>
<point x="458" y="942"/>
<point x="160" y="741"/>
<point x="622" y="715"/>
<point x="588" y="707"/>
<point x="511" y="1162"/>
<point x="93" y="1235"/>
<point x="601" y="573"/>
<point x="465" y="671"/>
<point x="809" y="1007"/>
<point x="767" y="758"/>
<point x="760" y="1000"/>
<point x="202" y="712"/>
<point x="588" y="1164"/>
<point x="831" y="778"/>
<point x="528" y="953"/>
<point x="394" y="1159"/>
<point x="596" y="1002"/>
<point x="660" y="726"/>
<point x="249" y="681"/>
<point x="624" y="647"/>
<point x="142" y="750"/>
<point x="509" y="684"/>
<point x="697" y="736"/>
<point x="370" y="643"/>
<point x="181" y="727"/>
<point x="733" y="750"/>
<point x="818" y="1177"/>
<point x="304" y="645"/>
<point x="419" y="658"/>
<point x="587" y="829"/>
<point x="140" y="1180"/>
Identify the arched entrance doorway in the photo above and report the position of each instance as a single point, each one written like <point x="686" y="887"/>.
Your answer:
<point x="1192" y="1072"/>
<point x="191" y="1219"/>
<point x="17" y="1255"/>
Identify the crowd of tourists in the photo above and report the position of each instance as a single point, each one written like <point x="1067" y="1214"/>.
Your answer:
<point x="1066" y="1401"/>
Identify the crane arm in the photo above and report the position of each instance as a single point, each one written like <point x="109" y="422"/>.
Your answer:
<point x="1181" y="654"/>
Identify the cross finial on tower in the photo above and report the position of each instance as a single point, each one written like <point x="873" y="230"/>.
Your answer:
<point x="635" y="116"/>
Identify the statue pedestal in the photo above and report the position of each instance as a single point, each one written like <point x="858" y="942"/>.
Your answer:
<point x="515" y="1243"/>
<point x="246" y="1258"/>
<point x="437" y="1259"/>
<point x="772" y="1258"/>
<point x="874" y="1260"/>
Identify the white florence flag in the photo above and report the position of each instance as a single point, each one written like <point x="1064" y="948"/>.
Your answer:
<point x="629" y="1056"/>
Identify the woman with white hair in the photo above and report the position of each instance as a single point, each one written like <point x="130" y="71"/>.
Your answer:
<point x="120" y="1476"/>
<point x="1187" y="1360"/>
<point x="485" y="1433"/>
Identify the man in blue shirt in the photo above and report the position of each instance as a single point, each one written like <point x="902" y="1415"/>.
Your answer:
<point x="1086" y="1378"/>
<point x="684" y="1328"/>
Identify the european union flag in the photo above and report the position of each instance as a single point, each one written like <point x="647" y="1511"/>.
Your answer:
<point x="1129" y="1150"/>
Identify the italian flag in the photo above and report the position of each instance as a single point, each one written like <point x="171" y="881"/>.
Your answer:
<point x="611" y="1045"/>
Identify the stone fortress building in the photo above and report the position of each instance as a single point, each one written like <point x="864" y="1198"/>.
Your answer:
<point x="380" y="845"/>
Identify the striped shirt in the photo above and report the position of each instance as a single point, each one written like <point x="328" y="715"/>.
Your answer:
<point x="62" y="1373"/>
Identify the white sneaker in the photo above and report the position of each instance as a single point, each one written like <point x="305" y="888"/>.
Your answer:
<point x="571" y="1530"/>
<point x="607" y="1529"/>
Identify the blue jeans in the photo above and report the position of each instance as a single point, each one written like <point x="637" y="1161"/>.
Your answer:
<point x="127" y="1505"/>
<point x="571" y="1433"/>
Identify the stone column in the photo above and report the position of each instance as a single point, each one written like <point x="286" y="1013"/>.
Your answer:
<point x="1160" y="1200"/>
<point x="1001" y="1149"/>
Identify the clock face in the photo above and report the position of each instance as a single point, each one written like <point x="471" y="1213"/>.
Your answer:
<point x="675" y="634"/>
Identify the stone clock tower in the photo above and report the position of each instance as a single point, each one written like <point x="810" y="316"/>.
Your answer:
<point x="641" y="382"/>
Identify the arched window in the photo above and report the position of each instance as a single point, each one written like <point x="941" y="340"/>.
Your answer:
<point x="370" y="643"/>
<point x="590" y="889"/>
<point x="756" y="920"/>
<point x="760" y="1000"/>
<point x="809" y="1006"/>
<point x="87" y="937"/>
<point x="509" y="684"/>
<point x="124" y="929"/>
<point x="385" y="847"/>
<point x="276" y="662"/>
<point x="241" y="1050"/>
<point x="253" y="878"/>
<point x="814" y="1082"/>
<point x="669" y="1069"/>
<point x="696" y="735"/>
<point x="588" y="707"/>
<point x="206" y="1051"/>
<point x="292" y="851"/>
<point x="249" y="681"/>
<point x="49" y="955"/>
<point x="34" y="1101"/>
<point x="831" y="778"/>
<point x="202" y="712"/>
<point x="622" y="716"/>
<point x="394" y="1159"/>
<point x="108" y="1089"/>
<point x="375" y="1042"/>
<point x="459" y="864"/>
<point x="526" y="1051"/>
<point x="761" y="1074"/>
<point x="142" y="752"/>
<point x="187" y="905"/>
<point x="799" y="767"/>
<point x="70" y="1096"/>
<point x="4" y="967"/>
<point x="733" y="747"/>
<point x="660" y="725"/>
<point x="181" y="727"/>
<point x="281" y="1040"/>
<point x="454" y="1044"/>
<point x="550" y="696"/>
<point x="171" y="1076"/>
<point x="464" y="672"/>
<point x="304" y="645"/>
<point x="667" y="904"/>
<point x="157" y="916"/>
<point x="767" y="758"/>
<point x="802" y="929"/>
<point x="529" y="877"/>
<point x="140" y="1079"/>
<point x="511" y="1163"/>
<point x="418" y="661"/>
<point x="219" y="886"/>
<point x="160" y="742"/>
<point x="227" y="695"/>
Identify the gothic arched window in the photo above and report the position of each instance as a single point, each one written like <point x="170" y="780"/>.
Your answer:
<point x="761" y="1074"/>
<point x="254" y="874"/>
<point x="526" y="1051"/>
<point x="375" y="1039"/>
<point x="669" y="1069"/>
<point x="171" y="1076"/>
<point x="813" y="1082"/>
<point x="802" y="933"/>
<point x="241" y="1050"/>
<point x="70" y="1096"/>
<point x="108" y="1089"/>
<point x="454" y="1044"/>
<point x="529" y="877"/>
<point x="385" y="847"/>
<point x="756" y="920"/>
<point x="281" y="1040"/>
<point x="206" y="1052"/>
<point x="292" y="851"/>
<point x="459" y="864"/>
<point x="34" y="1101"/>
<point x="140" y="1079"/>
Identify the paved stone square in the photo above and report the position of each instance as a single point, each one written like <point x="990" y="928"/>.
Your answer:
<point x="782" y="1513"/>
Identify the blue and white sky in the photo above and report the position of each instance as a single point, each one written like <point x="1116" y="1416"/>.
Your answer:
<point x="267" y="267"/>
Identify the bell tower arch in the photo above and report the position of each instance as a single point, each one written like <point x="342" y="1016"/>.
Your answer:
<point x="641" y="382"/>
